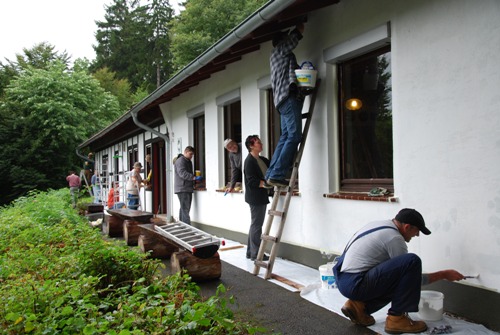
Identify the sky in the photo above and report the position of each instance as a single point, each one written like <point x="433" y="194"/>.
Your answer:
<point x="68" y="25"/>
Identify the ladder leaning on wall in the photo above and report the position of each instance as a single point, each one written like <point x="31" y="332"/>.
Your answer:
<point x="281" y="215"/>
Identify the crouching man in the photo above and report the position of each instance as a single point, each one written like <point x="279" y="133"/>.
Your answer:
<point x="376" y="269"/>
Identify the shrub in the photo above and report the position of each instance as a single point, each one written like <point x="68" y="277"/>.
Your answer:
<point x="58" y="275"/>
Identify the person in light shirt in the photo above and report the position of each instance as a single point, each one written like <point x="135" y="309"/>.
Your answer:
<point x="376" y="269"/>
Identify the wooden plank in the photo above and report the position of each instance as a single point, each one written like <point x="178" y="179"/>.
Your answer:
<point x="131" y="214"/>
<point x="231" y="248"/>
<point x="287" y="281"/>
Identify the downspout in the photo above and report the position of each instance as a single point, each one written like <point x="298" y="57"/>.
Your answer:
<point x="83" y="157"/>
<point x="168" y="169"/>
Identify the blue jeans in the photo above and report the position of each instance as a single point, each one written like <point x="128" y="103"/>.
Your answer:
<point x="96" y="189"/>
<point x="291" y="135"/>
<point x="397" y="280"/>
<point x="133" y="201"/>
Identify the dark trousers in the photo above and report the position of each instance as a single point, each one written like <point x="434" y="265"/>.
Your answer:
<point x="257" y="214"/>
<point x="397" y="280"/>
<point x="185" y="199"/>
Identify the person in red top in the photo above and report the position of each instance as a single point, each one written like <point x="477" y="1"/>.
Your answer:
<point x="74" y="186"/>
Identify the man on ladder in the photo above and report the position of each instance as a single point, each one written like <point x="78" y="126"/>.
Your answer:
<point x="288" y="99"/>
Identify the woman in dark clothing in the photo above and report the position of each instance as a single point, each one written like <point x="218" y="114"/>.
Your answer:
<point x="256" y="195"/>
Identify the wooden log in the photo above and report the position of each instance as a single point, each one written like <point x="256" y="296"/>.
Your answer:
<point x="131" y="231"/>
<point x="155" y="247"/>
<point x="200" y="269"/>
<point x="113" y="226"/>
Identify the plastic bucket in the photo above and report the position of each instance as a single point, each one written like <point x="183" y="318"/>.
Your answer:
<point x="430" y="307"/>
<point x="327" y="277"/>
<point x="306" y="78"/>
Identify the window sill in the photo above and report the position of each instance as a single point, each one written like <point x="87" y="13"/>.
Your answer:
<point x="361" y="196"/>
<point x="295" y="193"/>
<point x="224" y="191"/>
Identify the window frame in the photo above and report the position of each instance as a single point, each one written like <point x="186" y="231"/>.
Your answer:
<point x="357" y="184"/>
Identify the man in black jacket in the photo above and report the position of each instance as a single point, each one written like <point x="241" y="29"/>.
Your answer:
<point x="256" y="195"/>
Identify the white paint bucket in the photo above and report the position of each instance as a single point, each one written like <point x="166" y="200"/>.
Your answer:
<point x="430" y="307"/>
<point x="306" y="78"/>
<point x="326" y="275"/>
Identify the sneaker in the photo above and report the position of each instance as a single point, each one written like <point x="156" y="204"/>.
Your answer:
<point x="355" y="310"/>
<point x="266" y="185"/>
<point x="403" y="324"/>
<point x="277" y="182"/>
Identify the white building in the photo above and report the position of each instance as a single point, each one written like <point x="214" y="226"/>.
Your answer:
<point x="436" y="68"/>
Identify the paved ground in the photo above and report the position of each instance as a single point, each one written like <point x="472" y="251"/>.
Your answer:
<point x="276" y="308"/>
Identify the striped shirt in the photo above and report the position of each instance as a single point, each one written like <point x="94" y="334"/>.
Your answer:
<point x="283" y="65"/>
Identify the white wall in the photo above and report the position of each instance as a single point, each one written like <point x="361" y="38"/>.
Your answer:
<point x="446" y="121"/>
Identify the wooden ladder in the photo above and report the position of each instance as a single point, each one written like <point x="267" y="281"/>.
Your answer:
<point x="282" y="215"/>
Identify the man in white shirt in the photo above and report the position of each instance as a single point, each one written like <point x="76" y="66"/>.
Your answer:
<point x="376" y="269"/>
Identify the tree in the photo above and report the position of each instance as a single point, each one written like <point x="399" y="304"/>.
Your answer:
<point x="120" y="88"/>
<point x="204" y="22"/>
<point x="133" y="42"/>
<point x="46" y="114"/>
<point x="39" y="57"/>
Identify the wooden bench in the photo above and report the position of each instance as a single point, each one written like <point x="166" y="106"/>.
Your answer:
<point x="124" y="222"/>
<point x="159" y="246"/>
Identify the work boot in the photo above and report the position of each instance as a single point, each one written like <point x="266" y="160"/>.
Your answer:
<point x="355" y="310"/>
<point x="403" y="324"/>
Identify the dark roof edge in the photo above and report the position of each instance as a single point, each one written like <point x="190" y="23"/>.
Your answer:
<point x="263" y="14"/>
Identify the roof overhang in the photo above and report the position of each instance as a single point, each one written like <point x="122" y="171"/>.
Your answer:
<point x="245" y="38"/>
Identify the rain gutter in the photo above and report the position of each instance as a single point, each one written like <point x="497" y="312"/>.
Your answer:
<point x="168" y="158"/>
<point x="263" y="14"/>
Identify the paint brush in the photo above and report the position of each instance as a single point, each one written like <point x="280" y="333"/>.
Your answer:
<point x="472" y="276"/>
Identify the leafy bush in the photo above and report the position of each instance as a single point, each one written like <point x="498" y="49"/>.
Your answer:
<point x="58" y="275"/>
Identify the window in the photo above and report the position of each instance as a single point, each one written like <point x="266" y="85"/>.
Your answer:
<point x="232" y="129"/>
<point x="116" y="164"/>
<point x="273" y="124"/>
<point x="365" y="104"/>
<point x="133" y="156"/>
<point x="199" y="146"/>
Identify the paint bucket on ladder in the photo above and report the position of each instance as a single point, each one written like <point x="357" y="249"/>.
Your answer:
<point x="327" y="277"/>
<point x="306" y="75"/>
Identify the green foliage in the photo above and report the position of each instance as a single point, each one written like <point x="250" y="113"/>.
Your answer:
<point x="59" y="276"/>
<point x="45" y="114"/>
<point x="202" y="23"/>
<point x="41" y="56"/>
<point x="120" y="88"/>
<point x="133" y="42"/>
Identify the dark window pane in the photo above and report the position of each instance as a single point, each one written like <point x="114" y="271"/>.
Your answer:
<point x="366" y="121"/>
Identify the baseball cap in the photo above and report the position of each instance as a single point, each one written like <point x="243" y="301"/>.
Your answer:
<point x="411" y="216"/>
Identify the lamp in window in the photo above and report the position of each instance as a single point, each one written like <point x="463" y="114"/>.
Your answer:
<point x="353" y="104"/>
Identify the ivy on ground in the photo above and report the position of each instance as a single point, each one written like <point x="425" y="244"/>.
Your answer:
<point x="58" y="275"/>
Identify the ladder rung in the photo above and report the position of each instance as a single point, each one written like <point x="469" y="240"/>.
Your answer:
<point x="275" y="213"/>
<point x="262" y="264"/>
<point x="186" y="234"/>
<point x="269" y="238"/>
<point x="177" y="230"/>
<point x="194" y="238"/>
